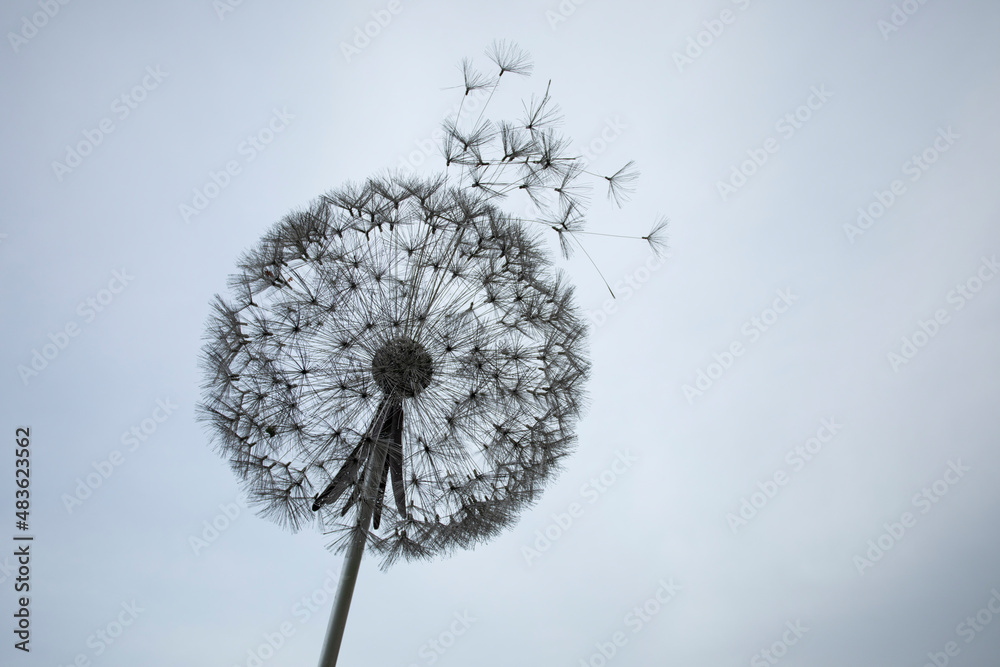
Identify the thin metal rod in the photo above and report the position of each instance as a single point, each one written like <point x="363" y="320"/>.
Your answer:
<point x="349" y="574"/>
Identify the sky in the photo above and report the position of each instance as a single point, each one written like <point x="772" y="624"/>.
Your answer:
<point x="790" y="452"/>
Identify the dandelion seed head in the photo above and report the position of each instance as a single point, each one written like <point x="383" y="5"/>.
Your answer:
<point x="406" y="312"/>
<point x="407" y="329"/>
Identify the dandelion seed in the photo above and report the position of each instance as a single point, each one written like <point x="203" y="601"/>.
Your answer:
<point x="473" y="80"/>
<point x="509" y="58"/>
<point x="620" y="183"/>
<point x="657" y="237"/>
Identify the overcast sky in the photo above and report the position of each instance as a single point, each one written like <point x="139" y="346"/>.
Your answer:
<point x="792" y="439"/>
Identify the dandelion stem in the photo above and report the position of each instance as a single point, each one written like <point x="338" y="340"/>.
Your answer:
<point x="594" y="263"/>
<point x="352" y="562"/>
<point x="616" y="236"/>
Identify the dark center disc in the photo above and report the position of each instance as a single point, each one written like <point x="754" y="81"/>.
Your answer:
<point x="402" y="367"/>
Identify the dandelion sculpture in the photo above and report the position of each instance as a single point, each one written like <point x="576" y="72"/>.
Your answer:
<point x="407" y="333"/>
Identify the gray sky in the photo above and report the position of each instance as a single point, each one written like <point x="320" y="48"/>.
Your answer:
<point x="662" y="473"/>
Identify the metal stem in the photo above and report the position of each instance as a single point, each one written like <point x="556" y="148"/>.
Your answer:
<point x="349" y="574"/>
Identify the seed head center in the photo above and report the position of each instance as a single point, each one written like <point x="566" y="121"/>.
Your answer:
<point x="402" y="367"/>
